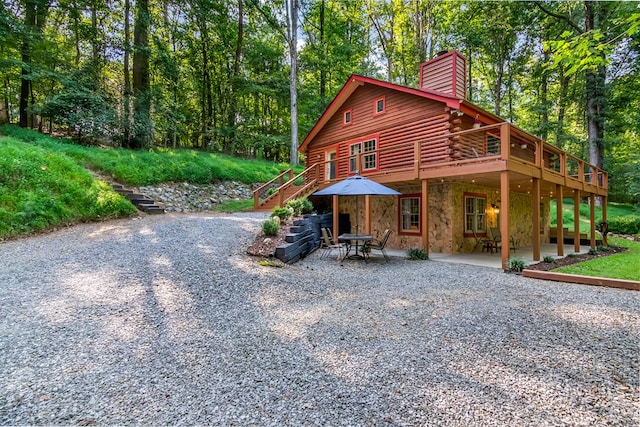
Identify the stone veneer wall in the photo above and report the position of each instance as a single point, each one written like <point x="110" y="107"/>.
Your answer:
<point x="446" y="217"/>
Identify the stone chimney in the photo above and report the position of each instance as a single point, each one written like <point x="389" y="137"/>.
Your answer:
<point x="445" y="73"/>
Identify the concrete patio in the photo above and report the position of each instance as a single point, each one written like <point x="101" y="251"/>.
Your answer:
<point x="487" y="259"/>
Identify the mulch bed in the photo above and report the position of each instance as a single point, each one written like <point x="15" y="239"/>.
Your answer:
<point x="568" y="260"/>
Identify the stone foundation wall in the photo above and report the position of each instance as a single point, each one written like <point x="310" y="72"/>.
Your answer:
<point x="446" y="217"/>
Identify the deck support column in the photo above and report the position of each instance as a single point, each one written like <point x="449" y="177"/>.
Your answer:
<point x="424" y="211"/>
<point x="367" y="214"/>
<point x="560" y="225"/>
<point x="336" y="214"/>
<point x="576" y="221"/>
<point x="592" y="219"/>
<point x="504" y="218"/>
<point x="604" y="208"/>
<point x="535" y="207"/>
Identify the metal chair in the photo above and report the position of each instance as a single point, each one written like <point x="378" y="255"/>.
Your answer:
<point x="485" y="242"/>
<point x="328" y="244"/>
<point x="497" y="238"/>
<point x="378" y="245"/>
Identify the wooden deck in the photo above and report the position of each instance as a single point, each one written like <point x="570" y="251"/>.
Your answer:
<point x="478" y="156"/>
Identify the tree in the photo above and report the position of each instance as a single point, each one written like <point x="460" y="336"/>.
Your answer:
<point x="142" y="135"/>
<point x="35" y="13"/>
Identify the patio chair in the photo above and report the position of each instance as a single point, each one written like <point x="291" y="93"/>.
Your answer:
<point x="486" y="243"/>
<point x="497" y="238"/>
<point x="378" y="245"/>
<point x="328" y="244"/>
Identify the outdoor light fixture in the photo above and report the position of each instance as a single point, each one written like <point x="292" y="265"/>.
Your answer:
<point x="496" y="209"/>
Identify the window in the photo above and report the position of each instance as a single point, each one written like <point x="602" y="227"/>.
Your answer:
<point x="409" y="216"/>
<point x="369" y="158"/>
<point x="379" y="106"/>
<point x="475" y="216"/>
<point x="354" y="150"/>
<point x="347" y="117"/>
<point x="330" y="164"/>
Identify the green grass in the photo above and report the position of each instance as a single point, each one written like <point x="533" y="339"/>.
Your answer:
<point x="41" y="189"/>
<point x="614" y="211"/>
<point x="625" y="265"/>
<point x="44" y="181"/>
<point x="149" y="167"/>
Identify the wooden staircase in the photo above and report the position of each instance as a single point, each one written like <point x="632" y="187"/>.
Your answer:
<point x="285" y="187"/>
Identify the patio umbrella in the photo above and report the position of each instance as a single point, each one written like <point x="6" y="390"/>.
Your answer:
<point x="357" y="185"/>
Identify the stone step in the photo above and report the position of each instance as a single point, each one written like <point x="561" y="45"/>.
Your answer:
<point x="140" y="201"/>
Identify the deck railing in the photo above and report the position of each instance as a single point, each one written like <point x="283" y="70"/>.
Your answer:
<point x="501" y="141"/>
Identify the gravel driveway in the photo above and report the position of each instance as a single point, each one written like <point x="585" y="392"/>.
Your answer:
<point x="164" y="320"/>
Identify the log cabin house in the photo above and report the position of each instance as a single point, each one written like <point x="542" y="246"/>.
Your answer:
<point x="461" y="170"/>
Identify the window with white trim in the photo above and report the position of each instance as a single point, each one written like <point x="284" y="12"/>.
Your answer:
<point x="379" y="106"/>
<point x="368" y="149"/>
<point x="475" y="216"/>
<point x="409" y="214"/>
<point x="347" y="117"/>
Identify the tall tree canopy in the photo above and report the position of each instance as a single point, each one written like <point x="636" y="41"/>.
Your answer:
<point x="217" y="74"/>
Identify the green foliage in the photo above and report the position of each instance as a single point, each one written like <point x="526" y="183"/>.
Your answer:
<point x="629" y="224"/>
<point x="155" y="165"/>
<point x="40" y="189"/>
<point x="593" y="251"/>
<point x="629" y="214"/>
<point x="282" y="213"/>
<point x="623" y="265"/>
<point x="515" y="265"/>
<point x="300" y="206"/>
<point x="270" y="227"/>
<point x="548" y="259"/>
<point x="235" y="206"/>
<point x="417" y="254"/>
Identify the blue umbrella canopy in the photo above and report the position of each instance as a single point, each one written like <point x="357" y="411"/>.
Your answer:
<point x="357" y="185"/>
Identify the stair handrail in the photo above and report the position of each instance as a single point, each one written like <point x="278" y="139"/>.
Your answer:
<point x="290" y="183"/>
<point x="282" y="188"/>
<point x="279" y="178"/>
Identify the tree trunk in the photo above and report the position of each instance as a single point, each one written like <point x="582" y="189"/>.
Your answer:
<point x="142" y="95"/>
<point x="34" y="17"/>
<point x="562" y="107"/>
<point x="126" y="114"/>
<point x="323" y="63"/>
<point x="29" y="22"/>
<point x="595" y="90"/>
<point x="233" y="107"/>
<point x="292" y="6"/>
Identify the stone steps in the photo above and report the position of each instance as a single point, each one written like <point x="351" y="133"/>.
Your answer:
<point x="140" y="201"/>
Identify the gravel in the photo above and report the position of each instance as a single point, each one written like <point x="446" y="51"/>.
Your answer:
<point x="165" y="320"/>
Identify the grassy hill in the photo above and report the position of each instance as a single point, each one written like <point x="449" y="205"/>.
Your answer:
<point x="45" y="182"/>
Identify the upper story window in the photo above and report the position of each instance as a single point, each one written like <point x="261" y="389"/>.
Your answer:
<point x="363" y="154"/>
<point x="475" y="215"/>
<point x="347" y="117"/>
<point x="379" y="106"/>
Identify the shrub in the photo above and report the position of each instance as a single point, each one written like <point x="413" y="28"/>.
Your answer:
<point x="282" y="213"/>
<point x="300" y="206"/>
<point x="548" y="259"/>
<point x="515" y="265"/>
<point x="593" y="251"/>
<point x="628" y="224"/>
<point x="604" y="248"/>
<point x="417" y="254"/>
<point x="270" y="227"/>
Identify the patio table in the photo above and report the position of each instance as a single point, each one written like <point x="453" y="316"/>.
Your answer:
<point x="357" y="238"/>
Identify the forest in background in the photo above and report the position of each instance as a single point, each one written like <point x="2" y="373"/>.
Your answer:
<point x="217" y="76"/>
